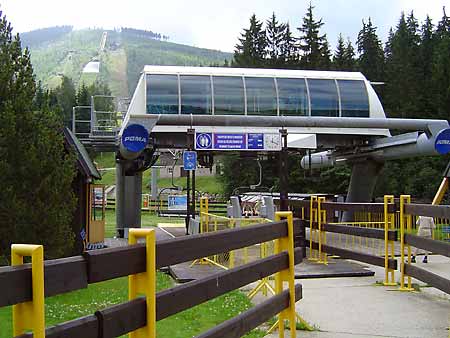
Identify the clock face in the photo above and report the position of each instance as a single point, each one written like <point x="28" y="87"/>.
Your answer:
<point x="272" y="142"/>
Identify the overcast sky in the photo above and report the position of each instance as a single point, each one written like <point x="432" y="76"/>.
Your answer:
<point x="210" y="23"/>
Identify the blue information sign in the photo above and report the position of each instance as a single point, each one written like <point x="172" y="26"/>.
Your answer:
<point x="189" y="160"/>
<point x="255" y="141"/>
<point x="442" y="143"/>
<point x="237" y="141"/>
<point x="230" y="141"/>
<point x="203" y="141"/>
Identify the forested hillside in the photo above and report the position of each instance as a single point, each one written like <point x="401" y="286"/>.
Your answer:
<point x="61" y="51"/>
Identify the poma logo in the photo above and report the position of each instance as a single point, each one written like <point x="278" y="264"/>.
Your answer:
<point x="135" y="139"/>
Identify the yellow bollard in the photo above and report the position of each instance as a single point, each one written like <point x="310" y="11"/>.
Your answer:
<point x="321" y="219"/>
<point x="404" y="199"/>
<point x="30" y="315"/>
<point x="145" y="282"/>
<point x="288" y="275"/>
<point x="388" y="220"/>
<point x="312" y="219"/>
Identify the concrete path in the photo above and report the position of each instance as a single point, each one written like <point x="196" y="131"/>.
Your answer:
<point x="358" y="307"/>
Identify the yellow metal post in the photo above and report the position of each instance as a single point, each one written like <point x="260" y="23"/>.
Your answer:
<point x="145" y="282"/>
<point x="312" y="220"/>
<point x="388" y="199"/>
<point x="321" y="218"/>
<point x="288" y="275"/>
<point x="403" y="200"/>
<point x="441" y="192"/>
<point x="30" y="315"/>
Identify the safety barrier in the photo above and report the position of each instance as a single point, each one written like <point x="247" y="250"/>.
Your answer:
<point x="211" y="222"/>
<point x="26" y="283"/>
<point x="322" y="216"/>
<point x="407" y="211"/>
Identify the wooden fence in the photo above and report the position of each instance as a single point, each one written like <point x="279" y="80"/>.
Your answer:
<point x="73" y="273"/>
<point x="407" y="211"/>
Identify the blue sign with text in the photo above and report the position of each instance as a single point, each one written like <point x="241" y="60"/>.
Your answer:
<point x="255" y="141"/>
<point x="230" y="141"/>
<point x="189" y="160"/>
<point x="135" y="138"/>
<point x="442" y="142"/>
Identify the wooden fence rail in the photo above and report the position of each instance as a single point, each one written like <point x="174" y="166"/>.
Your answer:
<point x="68" y="274"/>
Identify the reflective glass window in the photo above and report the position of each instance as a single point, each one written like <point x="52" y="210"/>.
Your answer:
<point x="162" y="94"/>
<point x="324" y="97"/>
<point x="261" y="96"/>
<point x="292" y="97"/>
<point x="195" y="94"/>
<point x="228" y="95"/>
<point x="354" y="98"/>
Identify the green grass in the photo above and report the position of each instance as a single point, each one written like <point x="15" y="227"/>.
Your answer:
<point x="80" y="303"/>
<point x="97" y="296"/>
<point x="147" y="220"/>
<point x="209" y="184"/>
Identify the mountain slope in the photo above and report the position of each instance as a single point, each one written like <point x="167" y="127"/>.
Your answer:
<point x="61" y="51"/>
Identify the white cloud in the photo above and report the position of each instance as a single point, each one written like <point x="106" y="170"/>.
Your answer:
<point x="213" y="24"/>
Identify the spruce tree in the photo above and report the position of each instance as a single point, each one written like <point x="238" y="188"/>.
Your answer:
<point x="315" y="53"/>
<point x="36" y="174"/>
<point x="339" y="61"/>
<point x="371" y="56"/>
<point x="402" y="69"/>
<point x="66" y="95"/>
<point x="426" y="52"/>
<point x="349" y="56"/>
<point x="288" y="48"/>
<point x="251" y="49"/>
<point x="441" y="68"/>
<point x="274" y="36"/>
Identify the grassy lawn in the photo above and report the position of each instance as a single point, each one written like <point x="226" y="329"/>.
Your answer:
<point x="147" y="219"/>
<point x="84" y="302"/>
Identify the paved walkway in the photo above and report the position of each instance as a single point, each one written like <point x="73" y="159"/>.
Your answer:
<point x="358" y="307"/>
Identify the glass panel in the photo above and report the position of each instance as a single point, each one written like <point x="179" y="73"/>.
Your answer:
<point x="293" y="97"/>
<point x="195" y="94"/>
<point x="261" y="96"/>
<point x="354" y="98"/>
<point x="324" y="98"/>
<point x="162" y="94"/>
<point x="228" y="95"/>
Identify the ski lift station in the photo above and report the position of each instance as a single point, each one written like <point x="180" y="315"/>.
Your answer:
<point x="331" y="118"/>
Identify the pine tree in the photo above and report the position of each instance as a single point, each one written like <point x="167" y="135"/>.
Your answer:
<point x="251" y="50"/>
<point x="339" y="62"/>
<point x="402" y="69"/>
<point x="371" y="56"/>
<point x="349" y="56"/>
<point x="275" y="33"/>
<point x="314" y="47"/>
<point x="288" y="48"/>
<point x="36" y="174"/>
<point x="441" y="69"/>
<point x="427" y="44"/>
<point x="66" y="95"/>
